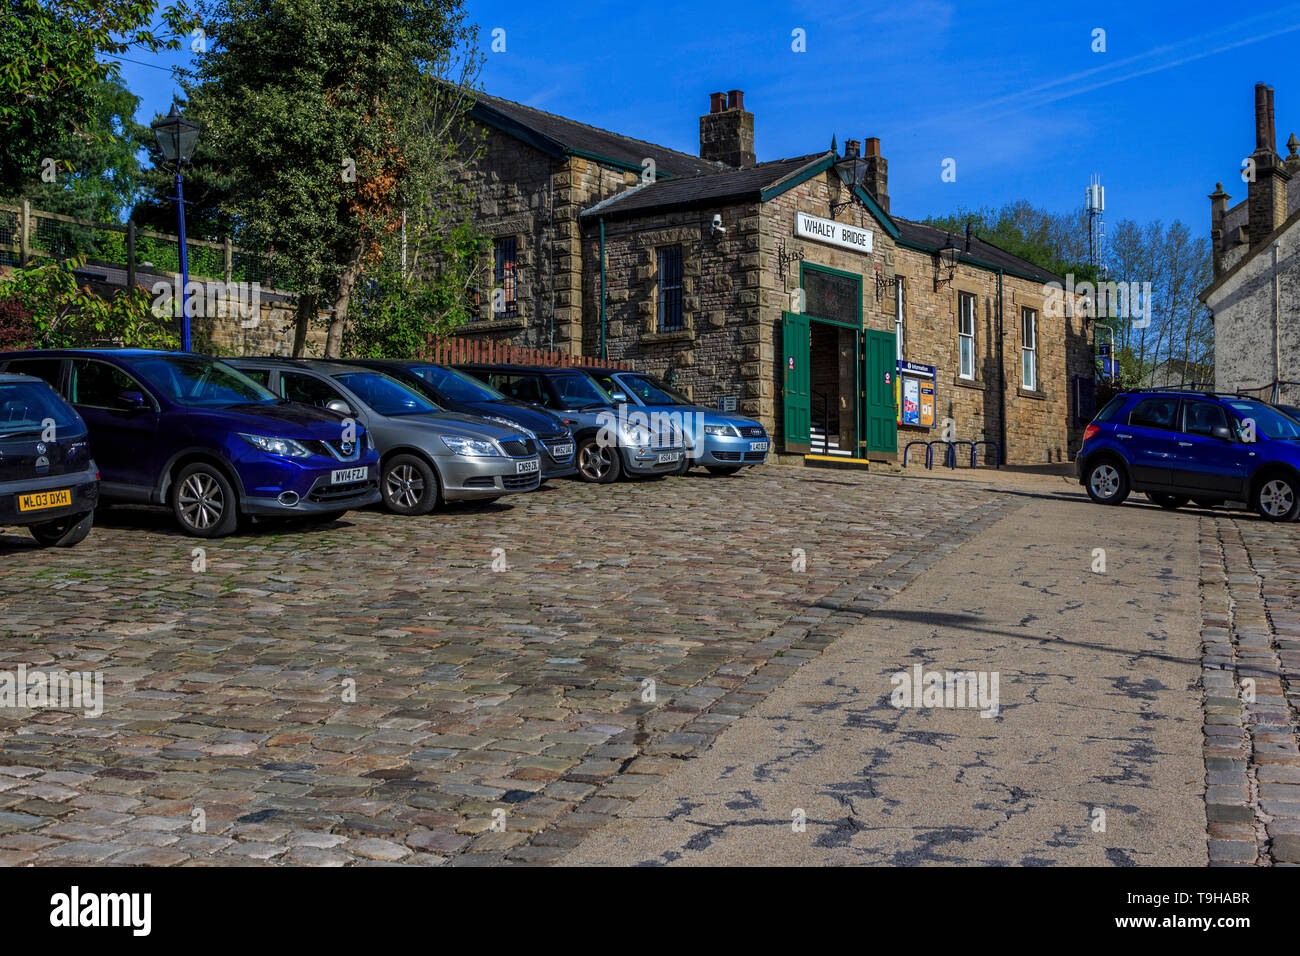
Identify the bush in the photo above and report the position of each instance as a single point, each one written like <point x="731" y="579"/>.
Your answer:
<point x="17" y="331"/>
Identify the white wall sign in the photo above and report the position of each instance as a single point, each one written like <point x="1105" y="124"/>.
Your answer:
<point x="834" y="233"/>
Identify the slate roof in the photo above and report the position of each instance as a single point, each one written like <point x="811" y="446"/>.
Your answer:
<point x="574" y="136"/>
<point x="715" y="187"/>
<point x="934" y="238"/>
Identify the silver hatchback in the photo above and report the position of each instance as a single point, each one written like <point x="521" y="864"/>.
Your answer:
<point x="427" y="455"/>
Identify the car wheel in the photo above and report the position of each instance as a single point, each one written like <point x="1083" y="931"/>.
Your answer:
<point x="723" y="469"/>
<point x="204" y="502"/>
<point x="65" y="532"/>
<point x="1168" y="502"/>
<point x="598" y="463"/>
<point x="1107" y="484"/>
<point x="1276" y="498"/>
<point x="410" y="485"/>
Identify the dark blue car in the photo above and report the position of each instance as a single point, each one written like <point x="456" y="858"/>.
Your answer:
<point x="190" y="432"/>
<point x="1178" y="446"/>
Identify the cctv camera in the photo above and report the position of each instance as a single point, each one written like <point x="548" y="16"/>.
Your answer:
<point x="717" y="223"/>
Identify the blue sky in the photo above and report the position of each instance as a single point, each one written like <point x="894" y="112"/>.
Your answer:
<point x="1013" y="92"/>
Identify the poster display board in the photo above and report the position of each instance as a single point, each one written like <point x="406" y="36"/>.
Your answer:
<point x="914" y="394"/>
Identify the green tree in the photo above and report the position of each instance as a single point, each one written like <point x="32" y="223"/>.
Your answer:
<point x="52" y="67"/>
<point x="1052" y="241"/>
<point x="44" y="308"/>
<point x="335" y="119"/>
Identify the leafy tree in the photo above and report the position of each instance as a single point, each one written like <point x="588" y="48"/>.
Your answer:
<point x="1055" y="242"/>
<point x="335" y="119"/>
<point x="52" y="71"/>
<point x="61" y="314"/>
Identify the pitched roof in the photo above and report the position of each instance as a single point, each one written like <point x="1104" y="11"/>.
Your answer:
<point x="714" y="187"/>
<point x="933" y="239"/>
<point x="557" y="134"/>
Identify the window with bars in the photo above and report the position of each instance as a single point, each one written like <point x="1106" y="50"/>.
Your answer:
<point x="1029" y="349"/>
<point x="966" y="335"/>
<point x="671" y="318"/>
<point x="505" y="276"/>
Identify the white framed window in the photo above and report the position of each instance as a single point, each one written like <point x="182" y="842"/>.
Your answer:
<point x="898" y="318"/>
<point x="1029" y="349"/>
<point x="966" y="335"/>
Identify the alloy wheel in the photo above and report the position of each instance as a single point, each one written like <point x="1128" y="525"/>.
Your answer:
<point x="595" y="462"/>
<point x="1277" y="497"/>
<point x="404" y="486"/>
<point x="201" y="501"/>
<point x="1104" y="481"/>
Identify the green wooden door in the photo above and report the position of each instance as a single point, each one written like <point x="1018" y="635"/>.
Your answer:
<point x="879" y="416"/>
<point x="796" y="392"/>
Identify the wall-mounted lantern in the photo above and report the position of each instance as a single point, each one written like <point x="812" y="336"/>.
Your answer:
<point x="945" y="266"/>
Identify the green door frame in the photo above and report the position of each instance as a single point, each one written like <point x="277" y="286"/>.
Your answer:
<point x="855" y="404"/>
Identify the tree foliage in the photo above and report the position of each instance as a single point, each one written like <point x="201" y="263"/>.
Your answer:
<point x="332" y="119"/>
<point x="55" y="56"/>
<point x="43" y="307"/>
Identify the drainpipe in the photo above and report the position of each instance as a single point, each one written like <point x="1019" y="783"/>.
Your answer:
<point x="1277" y="325"/>
<point x="1002" y="377"/>
<point x="602" y="289"/>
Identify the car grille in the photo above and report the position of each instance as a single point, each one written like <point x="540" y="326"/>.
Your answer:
<point x="727" y="455"/>
<point x="520" y="448"/>
<point x="327" y="492"/>
<point x="751" y="431"/>
<point x="522" y="482"/>
<point x="755" y="455"/>
<point x="334" y="449"/>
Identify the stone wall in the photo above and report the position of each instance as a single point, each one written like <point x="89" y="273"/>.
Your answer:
<point x="1244" y="310"/>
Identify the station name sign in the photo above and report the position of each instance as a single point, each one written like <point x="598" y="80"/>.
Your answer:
<point x="833" y="233"/>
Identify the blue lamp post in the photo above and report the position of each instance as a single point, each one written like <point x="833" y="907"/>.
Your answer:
<point x="176" y="138"/>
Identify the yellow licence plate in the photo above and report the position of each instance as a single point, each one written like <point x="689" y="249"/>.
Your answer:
<point x="45" y="499"/>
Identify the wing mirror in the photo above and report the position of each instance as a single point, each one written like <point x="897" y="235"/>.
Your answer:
<point x="133" y="401"/>
<point x="340" y="406"/>
<point x="620" y="397"/>
<point x="1222" y="431"/>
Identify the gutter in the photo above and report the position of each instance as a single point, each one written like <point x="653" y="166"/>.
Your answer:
<point x="1002" y="378"/>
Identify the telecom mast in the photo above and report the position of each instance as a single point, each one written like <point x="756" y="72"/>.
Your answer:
<point x="1095" y="205"/>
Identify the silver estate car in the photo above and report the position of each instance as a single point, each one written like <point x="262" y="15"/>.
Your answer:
<point x="427" y="456"/>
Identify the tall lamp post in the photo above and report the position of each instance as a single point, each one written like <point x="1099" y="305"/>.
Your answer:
<point x="176" y="138"/>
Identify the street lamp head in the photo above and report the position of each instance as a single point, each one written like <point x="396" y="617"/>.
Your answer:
<point x="950" y="255"/>
<point x="176" y="137"/>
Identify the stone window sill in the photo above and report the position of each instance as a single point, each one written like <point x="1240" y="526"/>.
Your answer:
<point x="509" y="324"/>
<point x="658" y="338"/>
<point x="968" y="382"/>
<point x="1026" y="393"/>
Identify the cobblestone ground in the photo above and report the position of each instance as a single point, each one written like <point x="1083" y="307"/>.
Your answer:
<point x="1250" y="609"/>
<point x="229" y="733"/>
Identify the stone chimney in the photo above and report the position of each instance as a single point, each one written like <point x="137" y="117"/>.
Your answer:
<point x="1218" y="209"/>
<point x="1266" y="194"/>
<point x="1292" y="164"/>
<point x="876" y="178"/>
<point x="727" y="132"/>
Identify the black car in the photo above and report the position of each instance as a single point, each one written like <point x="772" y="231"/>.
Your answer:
<point x="48" y="481"/>
<point x="455" y="391"/>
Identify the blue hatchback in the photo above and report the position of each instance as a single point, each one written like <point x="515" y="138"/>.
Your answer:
<point x="191" y="432"/>
<point x="1178" y="446"/>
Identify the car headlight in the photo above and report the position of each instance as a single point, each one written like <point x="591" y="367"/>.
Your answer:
<point x="472" y="447"/>
<point x="723" y="430"/>
<point x="285" y="447"/>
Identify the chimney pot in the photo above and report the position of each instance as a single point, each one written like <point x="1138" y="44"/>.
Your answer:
<point x="735" y="99"/>
<point x="871" y="146"/>
<point x="717" y="102"/>
<point x="851" y="147"/>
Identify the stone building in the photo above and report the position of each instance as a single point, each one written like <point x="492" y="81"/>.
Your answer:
<point x="784" y="288"/>
<point x="1255" y="296"/>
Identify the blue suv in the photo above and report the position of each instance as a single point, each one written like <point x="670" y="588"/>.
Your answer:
<point x="1178" y="446"/>
<point x="189" y="431"/>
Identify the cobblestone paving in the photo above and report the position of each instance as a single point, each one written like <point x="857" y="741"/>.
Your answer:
<point x="226" y="736"/>
<point x="1250" y="610"/>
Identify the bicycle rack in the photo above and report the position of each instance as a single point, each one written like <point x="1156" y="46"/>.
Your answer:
<point x="996" y="449"/>
<point x="929" y="453"/>
<point x="954" y="451"/>
<point x="949" y="452"/>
